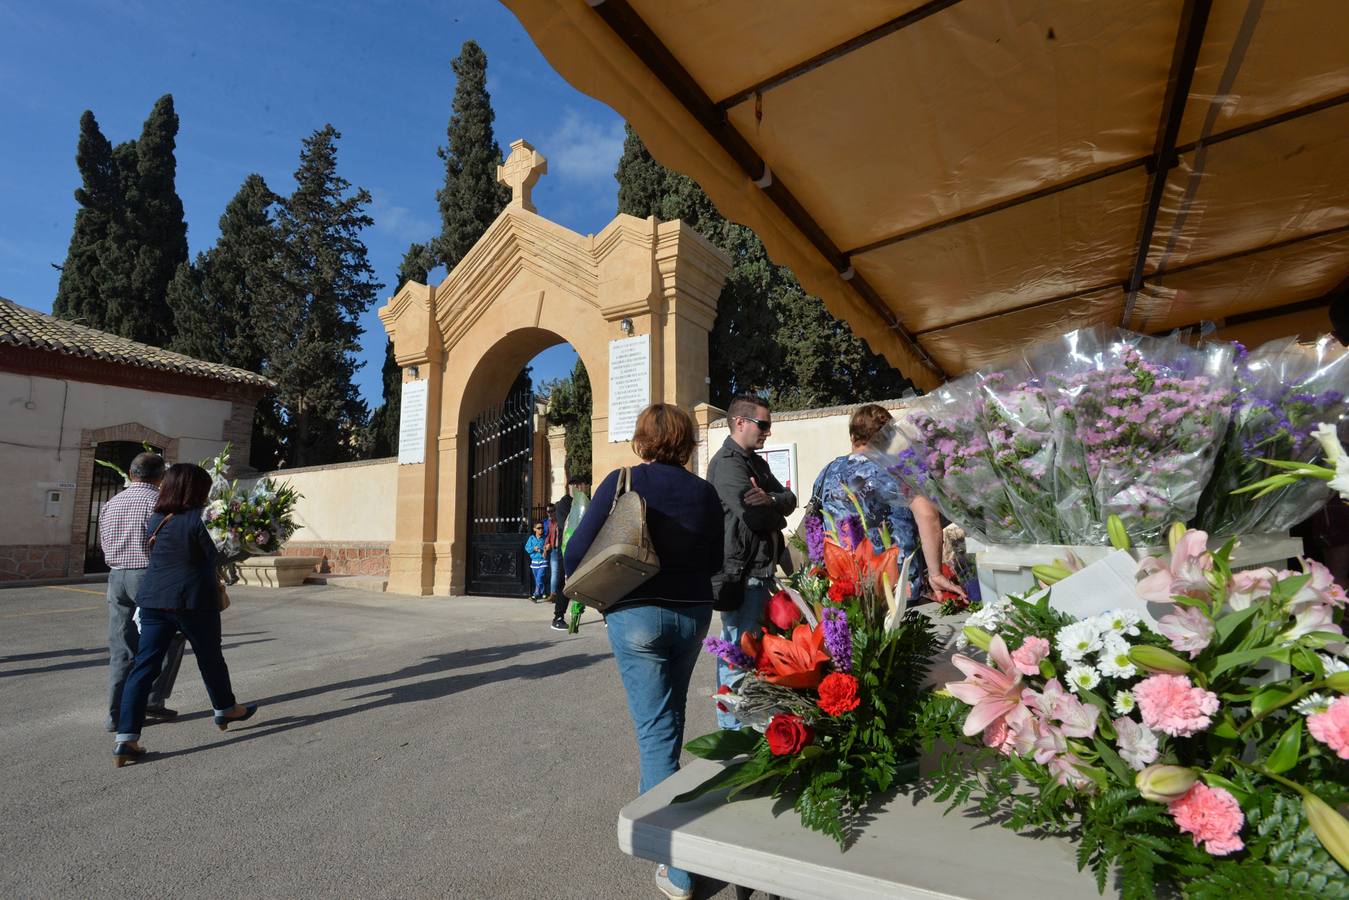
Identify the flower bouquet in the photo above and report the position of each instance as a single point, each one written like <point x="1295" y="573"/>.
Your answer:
<point x="1137" y="422"/>
<point x="1284" y="389"/>
<point x="828" y="691"/>
<point x="1208" y="751"/>
<point x="1015" y="417"/>
<point x="246" y="521"/>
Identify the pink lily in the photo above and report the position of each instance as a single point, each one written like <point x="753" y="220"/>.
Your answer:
<point x="993" y="692"/>
<point x="1185" y="575"/>
<point x="1188" y="629"/>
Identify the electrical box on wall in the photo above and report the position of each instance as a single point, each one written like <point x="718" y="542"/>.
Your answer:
<point x="55" y="497"/>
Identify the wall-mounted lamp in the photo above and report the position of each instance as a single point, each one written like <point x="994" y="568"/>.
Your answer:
<point x="625" y="326"/>
<point x="412" y="370"/>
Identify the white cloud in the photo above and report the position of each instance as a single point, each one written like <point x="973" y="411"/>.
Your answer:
<point x="584" y="149"/>
<point x="399" y="221"/>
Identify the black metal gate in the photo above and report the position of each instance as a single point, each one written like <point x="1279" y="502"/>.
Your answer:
<point x="107" y="484"/>
<point x="500" y="497"/>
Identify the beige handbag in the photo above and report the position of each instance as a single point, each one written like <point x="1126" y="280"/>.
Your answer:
<point x="621" y="557"/>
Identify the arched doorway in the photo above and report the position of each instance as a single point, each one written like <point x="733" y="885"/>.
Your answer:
<point x="638" y="298"/>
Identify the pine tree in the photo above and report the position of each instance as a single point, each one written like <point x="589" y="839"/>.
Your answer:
<point x="416" y="266"/>
<point x="770" y="337"/>
<point x="99" y="197"/>
<point x="471" y="197"/>
<point x="316" y="331"/>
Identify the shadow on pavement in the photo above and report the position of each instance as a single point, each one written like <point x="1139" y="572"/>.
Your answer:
<point x="415" y="692"/>
<point x="52" y="654"/>
<point x="103" y="659"/>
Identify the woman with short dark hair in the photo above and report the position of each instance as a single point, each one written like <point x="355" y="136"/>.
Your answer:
<point x="180" y="592"/>
<point x="656" y="631"/>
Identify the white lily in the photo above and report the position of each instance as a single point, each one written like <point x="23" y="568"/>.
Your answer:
<point x="1329" y="438"/>
<point x="897" y="604"/>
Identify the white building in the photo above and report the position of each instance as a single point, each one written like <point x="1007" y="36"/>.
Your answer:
<point x="70" y="395"/>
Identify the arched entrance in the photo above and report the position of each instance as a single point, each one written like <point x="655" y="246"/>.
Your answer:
<point x="640" y="295"/>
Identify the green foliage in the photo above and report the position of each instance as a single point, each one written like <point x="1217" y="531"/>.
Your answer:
<point x="570" y="405"/>
<point x="770" y="337"/>
<point x="315" y="329"/>
<point x="129" y="236"/>
<point x="471" y="197"/>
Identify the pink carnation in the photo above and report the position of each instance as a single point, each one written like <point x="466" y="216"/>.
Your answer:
<point x="1027" y="657"/>
<point x="1332" y="727"/>
<point x="1212" y="816"/>
<point x="1172" y="704"/>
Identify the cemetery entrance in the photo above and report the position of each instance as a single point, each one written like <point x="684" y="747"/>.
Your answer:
<point x="500" y="497"/>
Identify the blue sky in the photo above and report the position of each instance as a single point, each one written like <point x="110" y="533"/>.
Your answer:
<point x="250" y="80"/>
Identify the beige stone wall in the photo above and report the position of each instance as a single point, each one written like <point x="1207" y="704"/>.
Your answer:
<point x="41" y="445"/>
<point x="344" y="504"/>
<point x="820" y="435"/>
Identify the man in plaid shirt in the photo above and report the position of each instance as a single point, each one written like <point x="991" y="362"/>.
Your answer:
<point x="121" y="535"/>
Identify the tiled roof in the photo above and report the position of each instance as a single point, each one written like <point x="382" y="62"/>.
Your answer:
<point x="24" y="327"/>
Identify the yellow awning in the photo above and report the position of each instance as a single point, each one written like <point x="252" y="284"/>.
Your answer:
<point x="955" y="178"/>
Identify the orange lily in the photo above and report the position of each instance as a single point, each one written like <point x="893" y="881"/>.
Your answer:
<point x="752" y="646"/>
<point x="795" y="663"/>
<point x="862" y="564"/>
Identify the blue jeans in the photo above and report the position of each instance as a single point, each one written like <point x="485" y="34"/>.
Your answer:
<point x="555" y="569"/>
<point x="158" y="629"/>
<point x="656" y="649"/>
<point x="540" y="573"/>
<point x="735" y="622"/>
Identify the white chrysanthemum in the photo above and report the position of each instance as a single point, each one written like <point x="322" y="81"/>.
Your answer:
<point x="1333" y="664"/>
<point x="1077" y="640"/>
<point x="1124" y="702"/>
<point x="1114" y="661"/>
<point x="1312" y="704"/>
<point x="1119" y="621"/>
<point x="1083" y="678"/>
<point x="991" y="616"/>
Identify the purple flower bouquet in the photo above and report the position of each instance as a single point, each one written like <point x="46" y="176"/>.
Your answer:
<point x="1015" y="417"/>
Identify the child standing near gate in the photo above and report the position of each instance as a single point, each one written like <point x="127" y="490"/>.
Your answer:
<point x="538" y="561"/>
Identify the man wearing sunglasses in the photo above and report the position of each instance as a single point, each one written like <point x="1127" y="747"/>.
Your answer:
<point x="755" y="507"/>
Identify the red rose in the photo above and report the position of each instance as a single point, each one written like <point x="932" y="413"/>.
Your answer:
<point x="787" y="734"/>
<point x="838" y="694"/>
<point x="782" y="612"/>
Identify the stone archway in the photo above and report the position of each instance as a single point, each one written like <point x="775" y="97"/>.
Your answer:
<point x="526" y="285"/>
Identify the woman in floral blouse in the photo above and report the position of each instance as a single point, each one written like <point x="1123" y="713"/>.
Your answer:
<point x="911" y="521"/>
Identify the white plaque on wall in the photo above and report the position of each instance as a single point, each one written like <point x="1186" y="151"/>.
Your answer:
<point x="629" y="384"/>
<point x="412" y="423"/>
<point x="781" y="459"/>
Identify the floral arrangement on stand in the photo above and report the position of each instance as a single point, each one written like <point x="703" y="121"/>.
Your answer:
<point x="246" y="521"/>
<point x="829" y="691"/>
<point x="1209" y="751"/>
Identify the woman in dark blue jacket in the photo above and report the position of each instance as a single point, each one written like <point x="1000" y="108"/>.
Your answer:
<point x="179" y="592"/>
<point x="657" y="629"/>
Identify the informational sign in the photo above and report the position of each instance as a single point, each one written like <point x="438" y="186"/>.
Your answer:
<point x="629" y="384"/>
<point x="412" y="424"/>
<point x="781" y="459"/>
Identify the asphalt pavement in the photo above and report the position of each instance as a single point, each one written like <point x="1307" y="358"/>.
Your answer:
<point x="405" y="747"/>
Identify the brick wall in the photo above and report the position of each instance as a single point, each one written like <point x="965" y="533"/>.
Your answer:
<point x="344" y="558"/>
<point x="24" y="562"/>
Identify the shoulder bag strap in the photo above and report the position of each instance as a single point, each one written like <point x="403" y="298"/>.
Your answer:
<point x="154" y="534"/>
<point x="621" y="486"/>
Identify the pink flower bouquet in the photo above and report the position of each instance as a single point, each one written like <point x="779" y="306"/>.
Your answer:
<point x="1209" y="748"/>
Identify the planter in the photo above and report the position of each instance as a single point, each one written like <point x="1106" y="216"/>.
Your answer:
<point x="276" y="571"/>
<point x="1006" y="568"/>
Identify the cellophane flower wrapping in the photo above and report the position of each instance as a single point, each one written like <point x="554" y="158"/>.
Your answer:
<point x="1137" y="422"/>
<point x="1016" y="420"/>
<point x="246" y="521"/>
<point x="939" y="448"/>
<point x="1177" y="753"/>
<point x="1283" y="390"/>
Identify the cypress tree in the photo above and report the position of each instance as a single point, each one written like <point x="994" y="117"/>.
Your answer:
<point x="99" y="199"/>
<point x="316" y="331"/>
<point x="471" y="197"/>
<point x="158" y="226"/>
<point x="416" y="266"/>
<point x="570" y="404"/>
<point x="770" y="336"/>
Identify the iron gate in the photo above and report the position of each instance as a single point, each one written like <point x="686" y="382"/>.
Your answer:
<point x="500" y="498"/>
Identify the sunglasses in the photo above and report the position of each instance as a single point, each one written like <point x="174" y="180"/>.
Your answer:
<point x="764" y="424"/>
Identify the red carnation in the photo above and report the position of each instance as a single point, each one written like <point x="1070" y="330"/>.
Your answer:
<point x="841" y="589"/>
<point x="788" y="734"/>
<point x="838" y="693"/>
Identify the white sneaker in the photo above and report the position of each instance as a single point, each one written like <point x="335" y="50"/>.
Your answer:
<point x="668" y="888"/>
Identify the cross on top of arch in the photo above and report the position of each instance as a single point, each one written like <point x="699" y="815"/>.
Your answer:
<point x="521" y="172"/>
